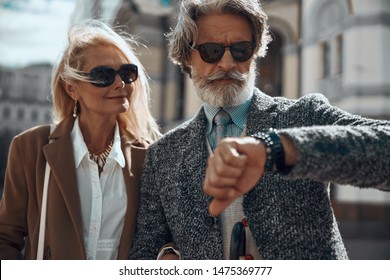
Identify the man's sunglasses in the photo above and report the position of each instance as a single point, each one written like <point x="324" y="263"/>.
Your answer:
<point x="104" y="76"/>
<point x="213" y="52"/>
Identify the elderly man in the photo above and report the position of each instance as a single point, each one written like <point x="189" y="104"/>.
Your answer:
<point x="266" y="196"/>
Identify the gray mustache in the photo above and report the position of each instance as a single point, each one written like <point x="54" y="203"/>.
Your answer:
<point x="231" y="75"/>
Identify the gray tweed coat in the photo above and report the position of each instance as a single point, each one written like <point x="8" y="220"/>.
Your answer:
<point x="290" y="217"/>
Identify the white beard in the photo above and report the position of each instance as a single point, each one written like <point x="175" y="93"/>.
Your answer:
<point x="228" y="95"/>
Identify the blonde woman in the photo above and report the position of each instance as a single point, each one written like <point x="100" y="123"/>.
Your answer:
<point x="96" y="153"/>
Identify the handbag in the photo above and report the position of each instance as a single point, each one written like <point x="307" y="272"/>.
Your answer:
<point x="42" y="222"/>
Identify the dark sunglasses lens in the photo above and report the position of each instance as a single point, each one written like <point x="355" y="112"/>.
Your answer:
<point x="211" y="52"/>
<point x="102" y="76"/>
<point x="242" y="51"/>
<point x="128" y="73"/>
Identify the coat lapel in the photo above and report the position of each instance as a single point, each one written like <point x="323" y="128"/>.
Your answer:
<point x="59" y="155"/>
<point x="134" y="153"/>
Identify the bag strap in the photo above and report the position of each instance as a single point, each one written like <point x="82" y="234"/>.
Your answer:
<point x="42" y="223"/>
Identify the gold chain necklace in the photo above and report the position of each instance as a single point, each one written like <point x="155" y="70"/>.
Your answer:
<point x="101" y="158"/>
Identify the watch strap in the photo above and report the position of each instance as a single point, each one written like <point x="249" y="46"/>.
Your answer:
<point x="275" y="153"/>
<point x="168" y="250"/>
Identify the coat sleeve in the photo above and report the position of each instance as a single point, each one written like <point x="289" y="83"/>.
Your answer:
<point x="341" y="147"/>
<point x="152" y="230"/>
<point x="13" y="206"/>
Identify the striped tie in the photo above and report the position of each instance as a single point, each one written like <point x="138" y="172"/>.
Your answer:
<point x="221" y="120"/>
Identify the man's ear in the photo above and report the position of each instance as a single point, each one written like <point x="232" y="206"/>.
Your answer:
<point x="187" y="67"/>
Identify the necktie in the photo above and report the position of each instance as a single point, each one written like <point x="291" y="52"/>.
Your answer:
<point x="234" y="213"/>
<point x="221" y="120"/>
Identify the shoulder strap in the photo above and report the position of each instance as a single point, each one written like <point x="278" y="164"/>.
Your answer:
<point x="42" y="223"/>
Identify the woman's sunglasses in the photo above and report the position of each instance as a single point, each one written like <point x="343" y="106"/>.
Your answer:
<point x="213" y="52"/>
<point x="104" y="76"/>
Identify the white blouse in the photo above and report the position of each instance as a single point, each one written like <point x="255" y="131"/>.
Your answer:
<point x="103" y="199"/>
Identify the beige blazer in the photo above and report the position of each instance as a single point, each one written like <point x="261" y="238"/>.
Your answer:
<point x="21" y="202"/>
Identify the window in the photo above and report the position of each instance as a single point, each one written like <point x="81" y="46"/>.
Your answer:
<point x="339" y="54"/>
<point x="325" y="58"/>
<point x="6" y="113"/>
<point x="34" y="115"/>
<point x="20" y="114"/>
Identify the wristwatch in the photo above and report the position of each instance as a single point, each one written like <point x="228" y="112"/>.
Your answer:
<point x="168" y="250"/>
<point x="275" y="152"/>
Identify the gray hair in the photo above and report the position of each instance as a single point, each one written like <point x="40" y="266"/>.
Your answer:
<point x="185" y="31"/>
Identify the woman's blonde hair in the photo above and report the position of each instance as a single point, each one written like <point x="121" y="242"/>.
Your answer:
<point x="138" y="119"/>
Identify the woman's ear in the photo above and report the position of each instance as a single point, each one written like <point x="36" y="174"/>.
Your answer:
<point x="71" y="90"/>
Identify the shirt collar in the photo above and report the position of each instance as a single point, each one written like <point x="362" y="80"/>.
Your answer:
<point x="116" y="151"/>
<point x="81" y="150"/>
<point x="237" y="113"/>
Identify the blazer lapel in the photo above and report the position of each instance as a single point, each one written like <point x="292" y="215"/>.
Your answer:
<point x="261" y="114"/>
<point x="256" y="204"/>
<point x="192" y="174"/>
<point x="195" y="154"/>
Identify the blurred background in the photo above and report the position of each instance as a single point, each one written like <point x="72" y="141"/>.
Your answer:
<point x="337" y="47"/>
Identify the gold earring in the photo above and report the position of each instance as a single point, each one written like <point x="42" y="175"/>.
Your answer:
<point x="75" y="109"/>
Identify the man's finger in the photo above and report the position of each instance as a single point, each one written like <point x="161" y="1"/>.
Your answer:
<point x="221" y="191"/>
<point x="228" y="153"/>
<point x="217" y="206"/>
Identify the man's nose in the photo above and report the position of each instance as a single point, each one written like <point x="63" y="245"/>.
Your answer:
<point x="227" y="61"/>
